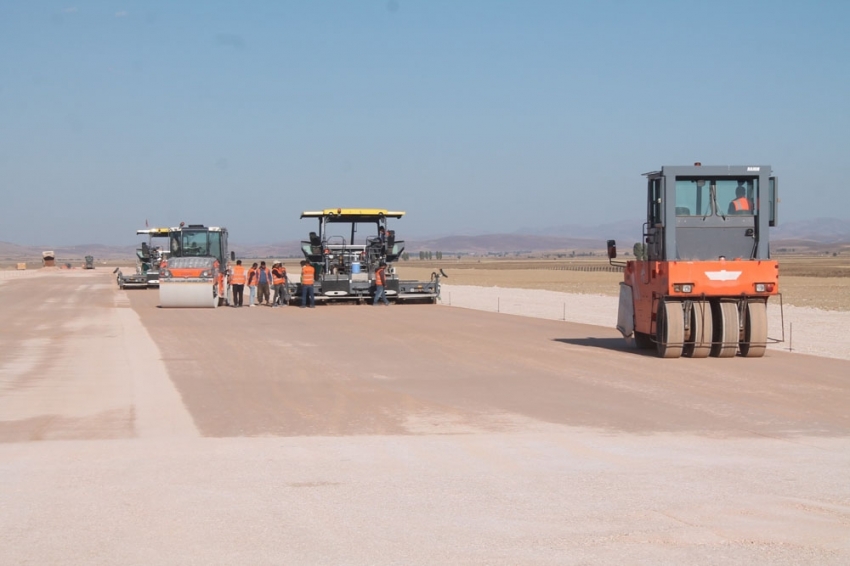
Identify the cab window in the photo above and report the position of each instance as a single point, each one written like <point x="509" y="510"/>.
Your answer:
<point x="721" y="197"/>
<point x="195" y="244"/>
<point x="736" y="196"/>
<point x="655" y="202"/>
<point x="693" y="197"/>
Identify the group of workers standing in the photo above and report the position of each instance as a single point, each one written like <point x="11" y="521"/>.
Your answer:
<point x="261" y="281"/>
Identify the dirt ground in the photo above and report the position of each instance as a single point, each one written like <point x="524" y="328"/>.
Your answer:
<point x="413" y="434"/>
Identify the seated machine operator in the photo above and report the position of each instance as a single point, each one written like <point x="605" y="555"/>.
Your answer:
<point x="379" y="242"/>
<point x="741" y="204"/>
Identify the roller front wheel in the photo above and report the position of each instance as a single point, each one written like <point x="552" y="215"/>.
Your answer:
<point x="754" y="335"/>
<point x="726" y="329"/>
<point x="670" y="330"/>
<point x="698" y="344"/>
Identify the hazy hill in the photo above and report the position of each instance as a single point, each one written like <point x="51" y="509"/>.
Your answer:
<point x="799" y="234"/>
<point x="622" y="230"/>
<point x="503" y="243"/>
<point x="17" y="252"/>
<point x="820" y="230"/>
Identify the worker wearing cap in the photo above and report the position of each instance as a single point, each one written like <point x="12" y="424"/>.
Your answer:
<point x="281" y="285"/>
<point x="380" y="284"/>
<point x="308" y="275"/>
<point x="264" y="282"/>
<point x="237" y="282"/>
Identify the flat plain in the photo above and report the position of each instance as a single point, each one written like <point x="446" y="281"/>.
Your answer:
<point x="805" y="281"/>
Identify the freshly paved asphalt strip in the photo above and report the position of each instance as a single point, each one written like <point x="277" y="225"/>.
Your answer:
<point x="410" y="434"/>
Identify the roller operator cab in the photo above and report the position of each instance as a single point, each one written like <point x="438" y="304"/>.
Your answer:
<point x="701" y="278"/>
<point x="348" y="248"/>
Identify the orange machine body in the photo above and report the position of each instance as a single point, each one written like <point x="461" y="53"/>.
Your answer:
<point x="696" y="281"/>
<point x="179" y="271"/>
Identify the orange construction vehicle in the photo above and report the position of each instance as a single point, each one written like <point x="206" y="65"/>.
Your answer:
<point x="701" y="278"/>
<point x="194" y="273"/>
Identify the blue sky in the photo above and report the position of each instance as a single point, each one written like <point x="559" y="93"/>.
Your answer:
<point x="474" y="117"/>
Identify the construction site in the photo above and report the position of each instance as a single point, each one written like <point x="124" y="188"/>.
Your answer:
<point x="397" y="282"/>
<point x="502" y="412"/>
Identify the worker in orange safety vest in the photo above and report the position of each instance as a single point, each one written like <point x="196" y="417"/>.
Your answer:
<point x="308" y="274"/>
<point x="741" y="204"/>
<point x="381" y="284"/>
<point x="281" y="285"/>
<point x="222" y="296"/>
<point x="252" y="284"/>
<point x="237" y="282"/>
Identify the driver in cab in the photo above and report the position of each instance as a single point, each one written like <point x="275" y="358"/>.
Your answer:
<point x="741" y="204"/>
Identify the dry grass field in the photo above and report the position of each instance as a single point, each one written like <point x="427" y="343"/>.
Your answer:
<point x="816" y="282"/>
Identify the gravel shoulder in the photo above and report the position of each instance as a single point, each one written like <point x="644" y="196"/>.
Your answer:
<point x="805" y="330"/>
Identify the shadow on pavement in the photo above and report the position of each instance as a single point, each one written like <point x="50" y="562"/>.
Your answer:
<point x="616" y="344"/>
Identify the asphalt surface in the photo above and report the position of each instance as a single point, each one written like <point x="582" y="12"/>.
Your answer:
<point x="394" y="435"/>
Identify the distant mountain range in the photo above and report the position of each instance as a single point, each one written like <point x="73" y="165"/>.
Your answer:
<point x="16" y="252"/>
<point x="819" y="230"/>
<point x="623" y="230"/>
<point x="813" y="233"/>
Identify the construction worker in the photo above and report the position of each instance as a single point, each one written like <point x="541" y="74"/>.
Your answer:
<point x="264" y="283"/>
<point x="381" y="284"/>
<point x="382" y="239"/>
<point x="252" y="284"/>
<point x="222" y="296"/>
<point x="237" y="282"/>
<point x="281" y="285"/>
<point x="308" y="274"/>
<point x="741" y="204"/>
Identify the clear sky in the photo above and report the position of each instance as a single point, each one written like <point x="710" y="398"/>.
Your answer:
<point x="472" y="116"/>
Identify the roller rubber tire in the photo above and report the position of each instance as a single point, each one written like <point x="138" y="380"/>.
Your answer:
<point x="698" y="344"/>
<point x="726" y="327"/>
<point x="754" y="336"/>
<point x="670" y="330"/>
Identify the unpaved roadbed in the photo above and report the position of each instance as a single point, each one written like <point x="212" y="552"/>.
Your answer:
<point x="549" y="496"/>
<point x="410" y="434"/>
